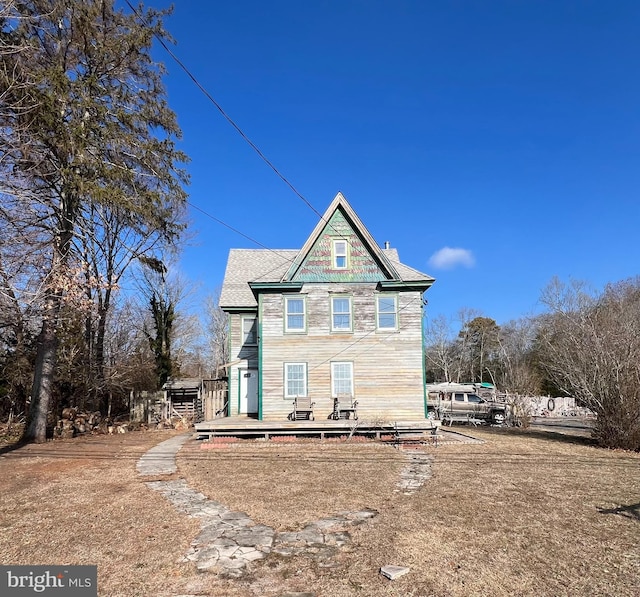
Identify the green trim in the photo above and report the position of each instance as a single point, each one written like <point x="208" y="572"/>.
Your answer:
<point x="259" y="358"/>
<point x="239" y="386"/>
<point x="396" y="297"/>
<point x="244" y="318"/>
<point x="424" y="366"/>
<point x="285" y="331"/>
<point x="396" y="285"/>
<point x="276" y="286"/>
<point x="349" y="297"/>
<point x="235" y="310"/>
<point x="334" y="254"/>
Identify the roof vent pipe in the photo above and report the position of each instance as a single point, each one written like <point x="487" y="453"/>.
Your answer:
<point x="386" y="244"/>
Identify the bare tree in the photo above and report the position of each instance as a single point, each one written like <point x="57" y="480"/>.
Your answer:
<point x="517" y="371"/>
<point x="439" y="348"/>
<point x="590" y="346"/>
<point x="217" y="324"/>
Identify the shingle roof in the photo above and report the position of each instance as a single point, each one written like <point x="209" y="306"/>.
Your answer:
<point x="263" y="265"/>
<point x="252" y="265"/>
<point x="406" y="273"/>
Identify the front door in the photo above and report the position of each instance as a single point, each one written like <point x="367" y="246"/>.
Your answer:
<point x="249" y="391"/>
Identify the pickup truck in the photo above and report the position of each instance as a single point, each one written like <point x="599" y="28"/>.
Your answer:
<point x="460" y="402"/>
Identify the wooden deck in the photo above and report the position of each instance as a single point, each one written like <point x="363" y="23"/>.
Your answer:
<point x="243" y="426"/>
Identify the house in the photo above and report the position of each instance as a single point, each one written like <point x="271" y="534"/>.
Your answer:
<point x="338" y="317"/>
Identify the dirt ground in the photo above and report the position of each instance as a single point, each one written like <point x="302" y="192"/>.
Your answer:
<point x="523" y="513"/>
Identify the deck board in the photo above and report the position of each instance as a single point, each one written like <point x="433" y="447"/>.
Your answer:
<point x="242" y="426"/>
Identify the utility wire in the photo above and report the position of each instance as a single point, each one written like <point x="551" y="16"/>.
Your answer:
<point x="228" y="118"/>
<point x="265" y="159"/>
<point x="224" y="114"/>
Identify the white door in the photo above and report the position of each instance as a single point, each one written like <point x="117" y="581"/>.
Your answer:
<point x="249" y="391"/>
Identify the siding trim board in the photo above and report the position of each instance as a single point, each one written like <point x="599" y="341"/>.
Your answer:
<point x="260" y="357"/>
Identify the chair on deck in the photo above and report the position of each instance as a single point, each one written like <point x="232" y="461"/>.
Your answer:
<point x="344" y="406"/>
<point x="302" y="409"/>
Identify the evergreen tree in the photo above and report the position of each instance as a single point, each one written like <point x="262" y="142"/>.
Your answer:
<point x="84" y="122"/>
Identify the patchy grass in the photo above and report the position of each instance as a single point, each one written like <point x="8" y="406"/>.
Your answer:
<point x="286" y="485"/>
<point x="524" y="513"/>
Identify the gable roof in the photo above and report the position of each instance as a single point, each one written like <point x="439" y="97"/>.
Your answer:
<point x="340" y="204"/>
<point x="265" y="267"/>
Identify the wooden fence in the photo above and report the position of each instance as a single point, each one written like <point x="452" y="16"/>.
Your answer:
<point x="215" y="398"/>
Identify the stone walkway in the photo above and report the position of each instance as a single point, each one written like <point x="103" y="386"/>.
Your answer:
<point x="229" y="541"/>
<point x="414" y="475"/>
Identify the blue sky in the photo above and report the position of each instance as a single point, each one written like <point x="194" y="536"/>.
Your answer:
<point x="494" y="144"/>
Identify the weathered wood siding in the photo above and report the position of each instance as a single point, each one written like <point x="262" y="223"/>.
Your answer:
<point x="387" y="365"/>
<point x="246" y="357"/>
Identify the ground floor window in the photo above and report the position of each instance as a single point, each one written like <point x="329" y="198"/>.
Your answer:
<point x="341" y="378"/>
<point x="295" y="379"/>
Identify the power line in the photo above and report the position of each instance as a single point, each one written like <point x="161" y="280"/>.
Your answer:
<point x="266" y="160"/>
<point x="225" y="115"/>
<point x="237" y="128"/>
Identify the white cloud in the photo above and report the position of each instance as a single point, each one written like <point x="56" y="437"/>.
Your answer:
<point x="448" y="258"/>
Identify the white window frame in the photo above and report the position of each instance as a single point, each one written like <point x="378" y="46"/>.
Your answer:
<point x="380" y="297"/>
<point x="349" y="312"/>
<point x="338" y="253"/>
<point x="245" y="333"/>
<point x="295" y="330"/>
<point x="334" y="365"/>
<point x="287" y="379"/>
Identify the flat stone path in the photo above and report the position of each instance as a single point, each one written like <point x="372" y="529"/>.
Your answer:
<point x="229" y="541"/>
<point x="161" y="459"/>
<point x="417" y="471"/>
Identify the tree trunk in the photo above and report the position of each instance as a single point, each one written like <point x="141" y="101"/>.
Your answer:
<point x="46" y="355"/>
<point x="43" y="376"/>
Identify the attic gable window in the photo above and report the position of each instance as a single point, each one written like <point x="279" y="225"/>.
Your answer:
<point x="340" y="254"/>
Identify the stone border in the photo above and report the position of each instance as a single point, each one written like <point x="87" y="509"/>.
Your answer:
<point x="229" y="541"/>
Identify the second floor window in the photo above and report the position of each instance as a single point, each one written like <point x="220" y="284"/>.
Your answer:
<point x="249" y="330"/>
<point x="387" y="307"/>
<point x="341" y="314"/>
<point x="294" y="314"/>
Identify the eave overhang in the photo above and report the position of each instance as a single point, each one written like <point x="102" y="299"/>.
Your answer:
<point x="420" y="285"/>
<point x="258" y="287"/>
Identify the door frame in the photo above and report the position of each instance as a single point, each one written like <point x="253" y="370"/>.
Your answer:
<point x="243" y="373"/>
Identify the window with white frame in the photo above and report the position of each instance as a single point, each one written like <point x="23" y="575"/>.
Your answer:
<point x="341" y="314"/>
<point x="249" y="330"/>
<point x="341" y="378"/>
<point x="340" y="255"/>
<point x="295" y="380"/>
<point x="387" y="310"/>
<point x="295" y="314"/>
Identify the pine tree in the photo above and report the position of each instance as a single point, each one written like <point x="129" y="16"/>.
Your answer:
<point x="84" y="122"/>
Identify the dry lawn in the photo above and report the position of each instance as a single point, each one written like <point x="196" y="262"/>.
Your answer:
<point x="523" y="513"/>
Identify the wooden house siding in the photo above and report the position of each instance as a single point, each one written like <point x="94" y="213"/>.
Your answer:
<point x="241" y="356"/>
<point x="387" y="365"/>
<point x="340" y="259"/>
